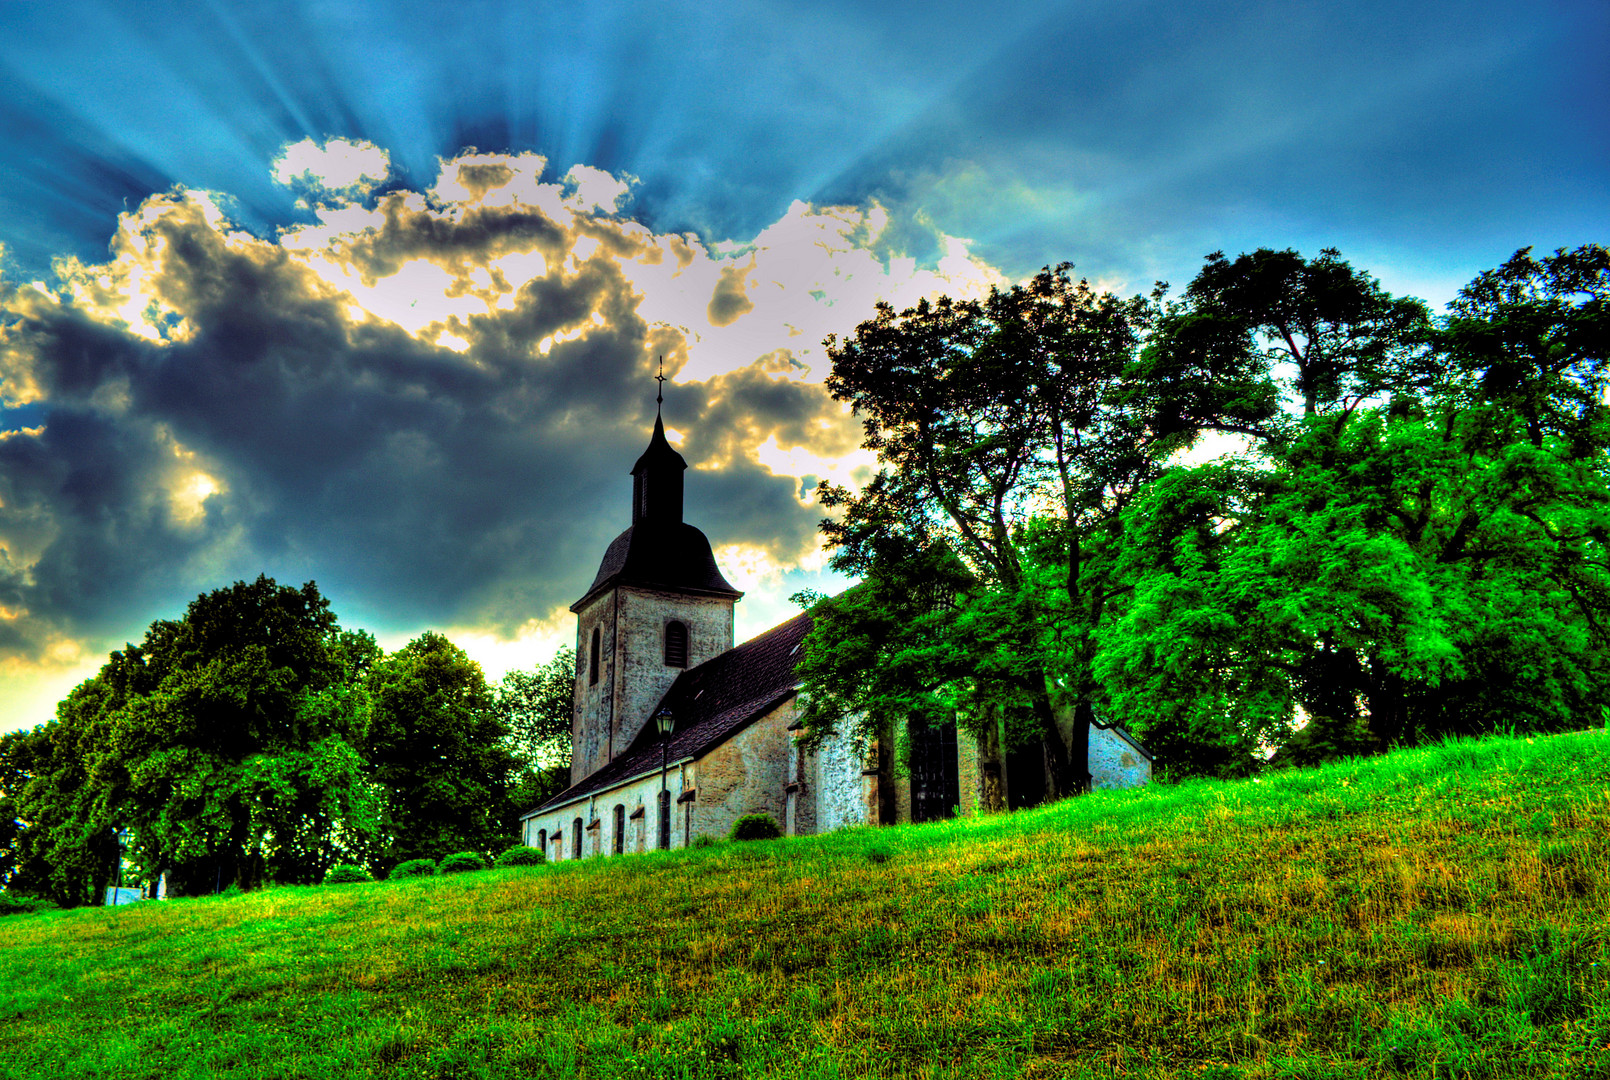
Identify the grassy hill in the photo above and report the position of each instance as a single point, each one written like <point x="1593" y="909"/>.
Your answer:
<point x="1435" y="913"/>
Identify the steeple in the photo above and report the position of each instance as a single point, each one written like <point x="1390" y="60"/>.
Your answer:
<point x="657" y="481"/>
<point x="659" y="549"/>
<point x="658" y="606"/>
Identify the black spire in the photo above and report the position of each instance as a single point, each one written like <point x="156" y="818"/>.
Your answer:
<point x="657" y="476"/>
<point x="660" y="550"/>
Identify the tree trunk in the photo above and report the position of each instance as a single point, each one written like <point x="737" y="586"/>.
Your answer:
<point x="1084" y="714"/>
<point x="1388" y="705"/>
<point x="1059" y="780"/>
<point x="991" y="794"/>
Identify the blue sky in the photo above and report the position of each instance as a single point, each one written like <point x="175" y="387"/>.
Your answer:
<point x="922" y="147"/>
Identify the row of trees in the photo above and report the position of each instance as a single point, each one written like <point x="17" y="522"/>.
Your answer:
<point x="1411" y="540"/>
<point x="255" y="740"/>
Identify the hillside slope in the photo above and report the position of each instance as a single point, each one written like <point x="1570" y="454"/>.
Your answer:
<point x="1439" y="912"/>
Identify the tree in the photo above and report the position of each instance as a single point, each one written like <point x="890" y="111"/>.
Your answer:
<point x="438" y="752"/>
<point x="536" y="708"/>
<point x="1419" y="552"/>
<point x="214" y="742"/>
<point x="1012" y="433"/>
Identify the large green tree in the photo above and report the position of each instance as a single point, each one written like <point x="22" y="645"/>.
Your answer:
<point x="218" y="743"/>
<point x="1012" y="434"/>
<point x="1419" y="550"/>
<point x="438" y="753"/>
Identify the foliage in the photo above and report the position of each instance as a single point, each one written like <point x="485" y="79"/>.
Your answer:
<point x="222" y="744"/>
<point x="412" y="868"/>
<point x="346" y="874"/>
<point x="1312" y="923"/>
<point x="436" y="749"/>
<point x="13" y="904"/>
<point x="1427" y="561"/>
<point x="535" y="707"/>
<point x="461" y="862"/>
<point x="755" y="827"/>
<point x="521" y="855"/>
<point x="981" y="412"/>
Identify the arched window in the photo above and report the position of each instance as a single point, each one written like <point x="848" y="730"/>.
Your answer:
<point x="542" y="840"/>
<point x="620" y="828"/>
<point x="575" y="839"/>
<point x="676" y="644"/>
<point x="592" y="661"/>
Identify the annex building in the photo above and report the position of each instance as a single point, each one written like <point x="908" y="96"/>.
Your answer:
<point x="654" y="648"/>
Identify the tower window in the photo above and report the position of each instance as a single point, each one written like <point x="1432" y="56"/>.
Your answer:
<point x="592" y="661"/>
<point x="676" y="645"/>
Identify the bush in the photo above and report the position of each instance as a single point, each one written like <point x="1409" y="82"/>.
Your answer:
<point x="703" y="840"/>
<point x="462" y="862"/>
<point x="755" y="827"/>
<point x="520" y="855"/>
<point x="412" y="868"/>
<point x="12" y="904"/>
<point x="346" y="874"/>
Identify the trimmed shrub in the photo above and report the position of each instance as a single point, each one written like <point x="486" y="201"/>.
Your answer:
<point x="12" y="904"/>
<point x="462" y="862"/>
<point x="520" y="855"/>
<point x="755" y="827"/>
<point x="346" y="874"/>
<point x="412" y="868"/>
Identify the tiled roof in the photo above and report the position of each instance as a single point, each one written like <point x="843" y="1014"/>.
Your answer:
<point x="711" y="703"/>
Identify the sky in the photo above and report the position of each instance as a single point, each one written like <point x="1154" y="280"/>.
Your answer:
<point x="373" y="294"/>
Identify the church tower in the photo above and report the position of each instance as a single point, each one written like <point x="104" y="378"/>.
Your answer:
<point x="659" y="605"/>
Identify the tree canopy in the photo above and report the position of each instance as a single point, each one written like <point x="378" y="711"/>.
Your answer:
<point x="1410" y="541"/>
<point x="256" y="740"/>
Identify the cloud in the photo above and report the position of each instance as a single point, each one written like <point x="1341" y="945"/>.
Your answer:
<point x="730" y="299"/>
<point x="426" y="400"/>
<point x="337" y="165"/>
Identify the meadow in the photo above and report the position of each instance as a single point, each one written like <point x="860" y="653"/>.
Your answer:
<point x="1433" y="913"/>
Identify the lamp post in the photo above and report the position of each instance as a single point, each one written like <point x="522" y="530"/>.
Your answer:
<point x="665" y="721"/>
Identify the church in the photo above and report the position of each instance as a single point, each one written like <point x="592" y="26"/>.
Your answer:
<point x="670" y="714"/>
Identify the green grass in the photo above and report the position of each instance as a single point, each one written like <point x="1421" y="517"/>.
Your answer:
<point x="1435" y="913"/>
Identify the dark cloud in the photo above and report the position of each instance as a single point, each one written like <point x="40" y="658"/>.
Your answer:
<point x="249" y="421"/>
<point x="731" y="298"/>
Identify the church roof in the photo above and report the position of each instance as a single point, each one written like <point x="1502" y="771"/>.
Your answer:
<point x="711" y="703"/>
<point x="672" y="555"/>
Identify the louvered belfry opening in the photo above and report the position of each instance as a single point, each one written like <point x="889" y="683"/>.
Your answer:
<point x="676" y="644"/>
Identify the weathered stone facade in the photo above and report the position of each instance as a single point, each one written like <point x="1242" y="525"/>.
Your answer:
<point x="631" y="671"/>
<point x="1117" y="760"/>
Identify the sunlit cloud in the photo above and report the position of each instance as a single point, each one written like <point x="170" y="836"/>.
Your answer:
<point x="425" y="400"/>
<point x="334" y="166"/>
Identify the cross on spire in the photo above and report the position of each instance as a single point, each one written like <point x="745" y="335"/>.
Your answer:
<point x="659" y="393"/>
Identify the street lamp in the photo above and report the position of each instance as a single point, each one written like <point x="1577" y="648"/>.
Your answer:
<point x="665" y="721"/>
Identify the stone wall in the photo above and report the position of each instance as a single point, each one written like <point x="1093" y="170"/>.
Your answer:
<point x="1114" y="761"/>
<point x="837" y="788"/>
<point x="747" y="774"/>
<point x="641" y="831"/>
<point x="633" y="675"/>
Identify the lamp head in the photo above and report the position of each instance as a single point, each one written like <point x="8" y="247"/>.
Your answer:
<point x="665" y="720"/>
